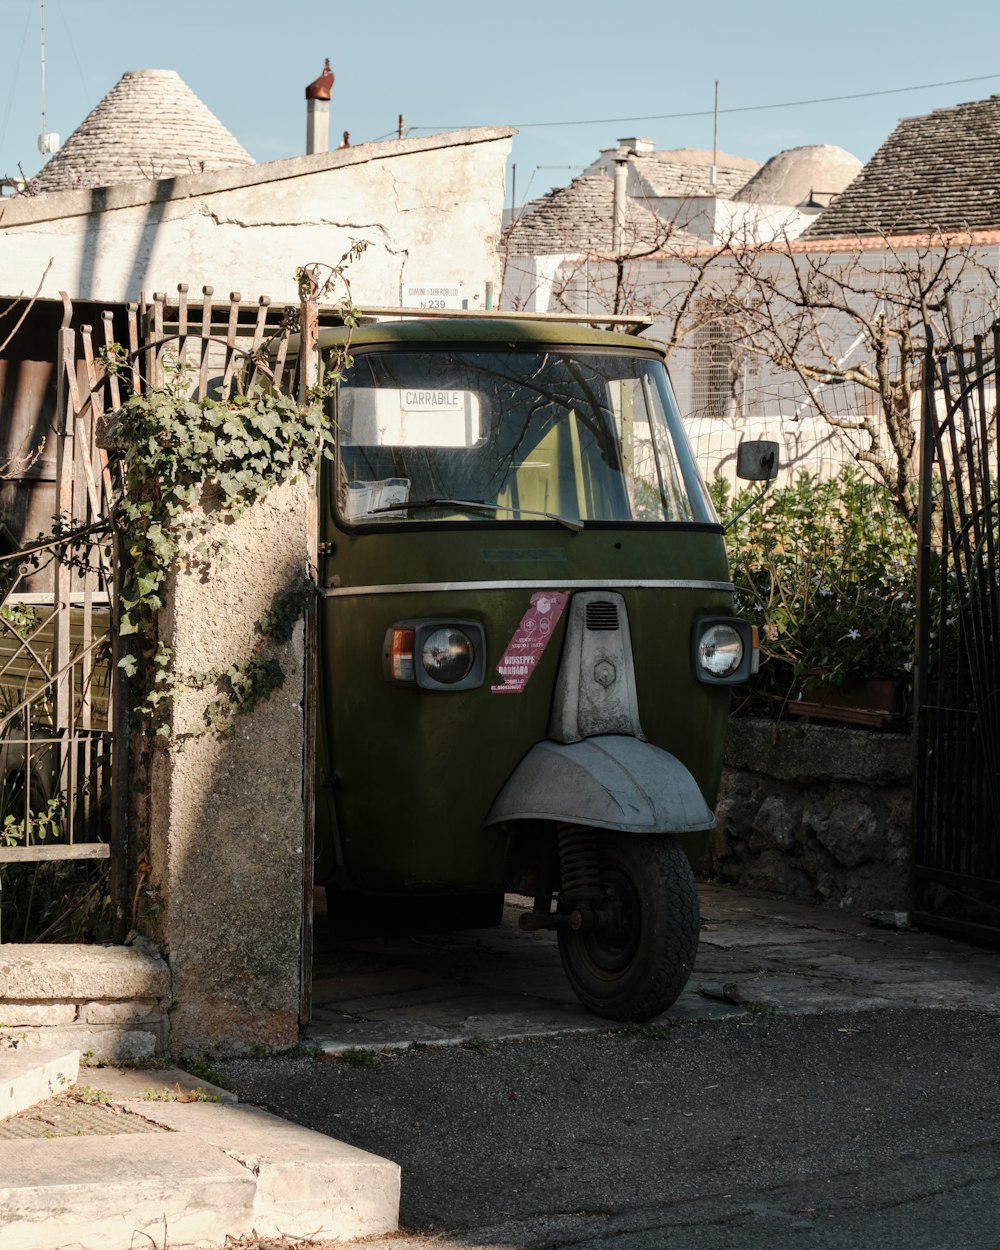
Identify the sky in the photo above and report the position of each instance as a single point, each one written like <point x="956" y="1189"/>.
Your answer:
<point x="572" y="75"/>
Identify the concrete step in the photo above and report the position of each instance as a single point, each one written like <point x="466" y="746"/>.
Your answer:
<point x="30" y="1076"/>
<point x="220" y="1170"/>
<point x="307" y="1184"/>
<point x="110" y="1193"/>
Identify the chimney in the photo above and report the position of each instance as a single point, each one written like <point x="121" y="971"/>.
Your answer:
<point x="318" y="111"/>
<point x="641" y="147"/>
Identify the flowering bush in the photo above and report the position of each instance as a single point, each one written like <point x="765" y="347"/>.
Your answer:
<point x="826" y="569"/>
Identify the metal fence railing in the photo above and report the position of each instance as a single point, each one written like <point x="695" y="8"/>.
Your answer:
<point x="957" y="794"/>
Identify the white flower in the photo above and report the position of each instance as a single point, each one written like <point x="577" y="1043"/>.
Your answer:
<point x="854" y="633"/>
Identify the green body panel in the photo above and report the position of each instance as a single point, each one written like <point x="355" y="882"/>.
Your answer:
<point x="414" y="772"/>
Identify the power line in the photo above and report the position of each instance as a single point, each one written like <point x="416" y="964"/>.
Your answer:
<point x="14" y="78"/>
<point x="743" y="108"/>
<point x="72" y="47"/>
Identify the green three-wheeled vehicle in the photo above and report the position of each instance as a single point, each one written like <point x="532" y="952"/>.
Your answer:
<point x="526" y="646"/>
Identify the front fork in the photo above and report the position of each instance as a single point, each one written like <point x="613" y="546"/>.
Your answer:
<point x="569" y="863"/>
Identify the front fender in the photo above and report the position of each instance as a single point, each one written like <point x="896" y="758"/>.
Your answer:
<point x="609" y="782"/>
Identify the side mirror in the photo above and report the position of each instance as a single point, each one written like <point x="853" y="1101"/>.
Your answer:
<point x="757" y="461"/>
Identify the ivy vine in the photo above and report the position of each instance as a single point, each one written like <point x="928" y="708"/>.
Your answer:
<point x="189" y="466"/>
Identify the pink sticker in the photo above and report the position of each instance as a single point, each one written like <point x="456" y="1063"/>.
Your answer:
<point x="530" y="639"/>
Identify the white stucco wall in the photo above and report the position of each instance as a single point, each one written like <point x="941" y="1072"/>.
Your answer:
<point x="718" y="220"/>
<point x="750" y="223"/>
<point x="429" y="208"/>
<point x="528" y="280"/>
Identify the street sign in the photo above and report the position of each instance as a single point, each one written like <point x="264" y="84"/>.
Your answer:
<point x="433" y="295"/>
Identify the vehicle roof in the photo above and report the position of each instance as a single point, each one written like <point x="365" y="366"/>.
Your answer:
<point x="515" y="332"/>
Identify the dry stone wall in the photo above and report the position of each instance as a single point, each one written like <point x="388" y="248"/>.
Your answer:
<point x="815" y="812"/>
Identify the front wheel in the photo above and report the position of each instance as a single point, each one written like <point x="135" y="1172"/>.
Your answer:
<point x="635" y="954"/>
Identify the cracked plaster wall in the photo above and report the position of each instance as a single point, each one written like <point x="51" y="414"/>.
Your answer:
<point x="430" y="210"/>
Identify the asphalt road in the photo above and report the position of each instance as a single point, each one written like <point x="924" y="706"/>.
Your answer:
<point x="857" y="1129"/>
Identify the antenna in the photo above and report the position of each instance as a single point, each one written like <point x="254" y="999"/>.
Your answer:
<point x="47" y="143"/>
<point x="714" y="174"/>
<point x="41" y="41"/>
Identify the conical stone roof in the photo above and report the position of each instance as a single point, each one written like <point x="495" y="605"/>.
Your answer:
<point x="150" y="125"/>
<point x="797" y="175"/>
<point x="580" y="218"/>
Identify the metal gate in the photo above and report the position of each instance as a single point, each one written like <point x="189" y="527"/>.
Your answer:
<point x="56" y="688"/>
<point x="957" y="677"/>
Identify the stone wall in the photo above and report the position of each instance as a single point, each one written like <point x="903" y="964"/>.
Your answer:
<point x="815" y="812"/>
<point x="110" y="1001"/>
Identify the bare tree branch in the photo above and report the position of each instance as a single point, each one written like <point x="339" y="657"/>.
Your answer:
<point x="27" y="308"/>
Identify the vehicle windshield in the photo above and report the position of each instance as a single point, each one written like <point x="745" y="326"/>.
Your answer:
<point x="512" y="435"/>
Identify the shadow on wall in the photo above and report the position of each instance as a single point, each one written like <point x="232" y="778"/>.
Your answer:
<point x="100" y="232"/>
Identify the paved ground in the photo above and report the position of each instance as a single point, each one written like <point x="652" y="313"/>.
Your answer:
<point x="822" y="1084"/>
<point x="769" y="953"/>
<point x="876" y="1129"/>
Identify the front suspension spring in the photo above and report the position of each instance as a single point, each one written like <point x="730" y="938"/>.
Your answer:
<point x="578" y="865"/>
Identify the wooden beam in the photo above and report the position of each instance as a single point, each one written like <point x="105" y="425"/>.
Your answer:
<point x="28" y="854"/>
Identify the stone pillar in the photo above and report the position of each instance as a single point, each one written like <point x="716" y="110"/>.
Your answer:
<point x="226" y="815"/>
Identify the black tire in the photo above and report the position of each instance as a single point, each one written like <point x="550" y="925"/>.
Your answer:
<point x="635" y="969"/>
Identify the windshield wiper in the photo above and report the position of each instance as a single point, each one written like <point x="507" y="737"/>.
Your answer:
<point x="571" y="523"/>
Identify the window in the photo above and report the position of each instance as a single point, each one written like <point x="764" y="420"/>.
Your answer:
<point x="509" y="435"/>
<point x="726" y="377"/>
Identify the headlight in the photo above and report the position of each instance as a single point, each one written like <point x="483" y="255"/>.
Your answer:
<point x="435" y="654"/>
<point x="722" y="650"/>
<point x="448" y="655"/>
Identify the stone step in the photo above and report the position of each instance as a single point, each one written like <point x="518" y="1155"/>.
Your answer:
<point x="110" y="1193"/>
<point x="30" y="1076"/>
<point x="308" y="1185"/>
<point x="221" y="1170"/>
